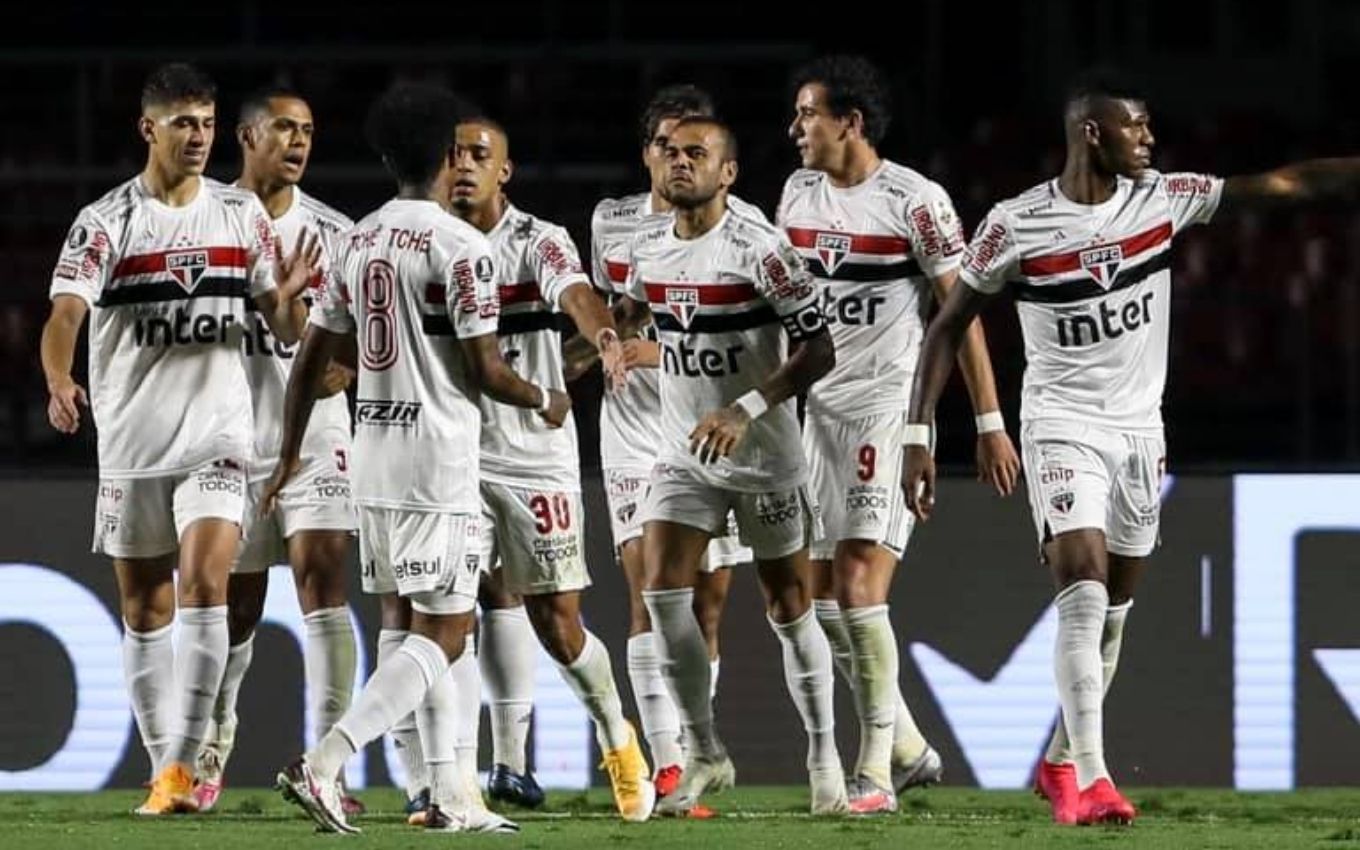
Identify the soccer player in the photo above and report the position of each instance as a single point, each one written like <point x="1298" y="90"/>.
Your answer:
<point x="312" y="528"/>
<point x="1087" y="257"/>
<point x="531" y="486"/>
<point x="164" y="264"/>
<point x="726" y="289"/>
<point x="417" y="287"/>
<point x="881" y="239"/>
<point x="630" y="434"/>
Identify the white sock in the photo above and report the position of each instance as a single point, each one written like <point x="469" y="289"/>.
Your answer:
<point x="149" y="670"/>
<point x="1111" y="641"/>
<point x="832" y="621"/>
<point x="467" y="683"/>
<point x="1077" y="669"/>
<point x="714" y="668"/>
<point x="438" y="720"/>
<point x="591" y="677"/>
<point x="200" y="659"/>
<point x="395" y="689"/>
<point x="807" y="673"/>
<point x="656" y="709"/>
<point x="224" y="708"/>
<point x="329" y="664"/>
<point x="875" y="646"/>
<point x="507" y="654"/>
<point x="405" y="735"/>
<point x="684" y="665"/>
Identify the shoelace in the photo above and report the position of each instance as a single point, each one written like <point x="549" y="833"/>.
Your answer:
<point x="626" y="784"/>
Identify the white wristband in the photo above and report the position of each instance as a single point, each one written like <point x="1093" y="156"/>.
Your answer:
<point x="989" y="422"/>
<point x="753" y="403"/>
<point x="916" y="434"/>
<point x="544" y="399"/>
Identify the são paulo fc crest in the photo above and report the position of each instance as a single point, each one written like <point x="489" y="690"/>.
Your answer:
<point x="187" y="267"/>
<point x="1102" y="263"/>
<point x="682" y="302"/>
<point x="831" y="250"/>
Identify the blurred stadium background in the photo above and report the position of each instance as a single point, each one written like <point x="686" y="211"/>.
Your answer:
<point x="1239" y="666"/>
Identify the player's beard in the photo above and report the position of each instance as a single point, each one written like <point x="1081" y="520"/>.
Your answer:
<point x="687" y="197"/>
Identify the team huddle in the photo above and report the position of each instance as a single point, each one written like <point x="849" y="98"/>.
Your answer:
<point x="227" y="323"/>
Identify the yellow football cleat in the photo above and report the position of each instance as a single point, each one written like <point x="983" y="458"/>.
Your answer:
<point x="634" y="793"/>
<point x="172" y="791"/>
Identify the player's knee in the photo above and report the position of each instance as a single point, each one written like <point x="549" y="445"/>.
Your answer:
<point x="148" y="613"/>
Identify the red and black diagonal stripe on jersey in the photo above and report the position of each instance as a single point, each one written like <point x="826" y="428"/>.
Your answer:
<point x="855" y="257"/>
<point x="1138" y="263"/>
<point x="713" y="307"/>
<point x="159" y="276"/>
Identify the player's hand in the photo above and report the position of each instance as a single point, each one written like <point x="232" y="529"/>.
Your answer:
<point x="295" y="272"/>
<point x="719" y="433"/>
<point x="283" y="473"/>
<point x="559" y="405"/>
<point x="612" y="360"/>
<point x="918" y="480"/>
<point x="997" y="463"/>
<point x="64" y="403"/>
<point x="641" y="353"/>
<point x="336" y="379"/>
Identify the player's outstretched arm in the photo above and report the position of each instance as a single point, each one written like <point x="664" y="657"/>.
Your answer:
<point x="997" y="462"/>
<point x="495" y="378"/>
<point x="579" y="353"/>
<point x="318" y="348"/>
<point x="65" y="396"/>
<point x="941" y="345"/>
<point x="1300" y="182"/>
<point x="592" y="318"/>
<point x="810" y="358"/>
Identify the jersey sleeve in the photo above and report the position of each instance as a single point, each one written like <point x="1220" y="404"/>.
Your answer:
<point x="935" y="232"/>
<point x="85" y="262"/>
<point x="992" y="257"/>
<point x="473" y="299"/>
<point x="331" y="308"/>
<point x="261" y="247"/>
<point x="784" y="282"/>
<point x="781" y="212"/>
<point x="599" y="265"/>
<point x="633" y="286"/>
<point x="1192" y="198"/>
<point x="557" y="264"/>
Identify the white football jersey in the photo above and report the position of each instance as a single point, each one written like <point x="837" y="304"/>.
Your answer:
<point x="168" y="289"/>
<point x="873" y="248"/>
<point x="1092" y="285"/>
<point x="536" y="262"/>
<point x="410" y="280"/>
<point x="630" y="420"/>
<point x="268" y="361"/>
<point x="722" y="304"/>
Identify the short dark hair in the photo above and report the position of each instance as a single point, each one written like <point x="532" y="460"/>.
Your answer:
<point x="1103" y="82"/>
<point x="175" y="83"/>
<point x="676" y="101"/>
<point x="411" y="127"/>
<point x="729" y="138"/>
<point x="851" y="82"/>
<point x="257" y="102"/>
<point x="475" y="117"/>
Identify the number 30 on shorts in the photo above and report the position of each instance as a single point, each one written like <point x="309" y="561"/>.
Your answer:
<point x="547" y="510"/>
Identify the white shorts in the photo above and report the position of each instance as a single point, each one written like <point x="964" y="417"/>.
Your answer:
<point x="317" y="499"/>
<point x="774" y="524"/>
<point x="1086" y="476"/>
<point x="855" y="472"/>
<point x="626" y="491"/>
<point x="536" y="537"/>
<point x="427" y="557"/>
<point x="145" y="517"/>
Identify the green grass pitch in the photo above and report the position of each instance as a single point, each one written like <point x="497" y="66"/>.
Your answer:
<point x="750" y="818"/>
